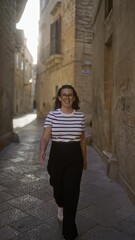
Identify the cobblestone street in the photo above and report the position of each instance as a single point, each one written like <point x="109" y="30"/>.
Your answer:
<point x="27" y="208"/>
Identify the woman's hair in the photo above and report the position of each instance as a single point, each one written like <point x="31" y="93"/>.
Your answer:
<point x="57" y="102"/>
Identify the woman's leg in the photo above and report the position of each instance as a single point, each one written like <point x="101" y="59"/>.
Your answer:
<point x="71" y="190"/>
<point x="55" y="170"/>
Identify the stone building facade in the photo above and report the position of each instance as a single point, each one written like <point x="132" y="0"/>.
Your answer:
<point x="64" y="53"/>
<point x="10" y="13"/>
<point x="24" y="79"/>
<point x="113" y="87"/>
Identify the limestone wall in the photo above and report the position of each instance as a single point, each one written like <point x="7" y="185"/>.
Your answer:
<point x="10" y="14"/>
<point x="75" y="64"/>
<point x="7" y="44"/>
<point x="113" y="86"/>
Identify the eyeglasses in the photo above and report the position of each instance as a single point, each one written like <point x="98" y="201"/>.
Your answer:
<point x="70" y="95"/>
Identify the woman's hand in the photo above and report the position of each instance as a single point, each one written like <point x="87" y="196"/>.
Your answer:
<point x="83" y="148"/>
<point x="43" y="143"/>
<point x="41" y="157"/>
<point x="85" y="165"/>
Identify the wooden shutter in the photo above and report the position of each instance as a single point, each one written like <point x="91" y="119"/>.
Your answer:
<point x="52" y="39"/>
<point x="55" y="38"/>
<point x="58" y="36"/>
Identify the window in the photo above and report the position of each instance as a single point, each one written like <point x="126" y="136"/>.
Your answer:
<point x="55" y="38"/>
<point x="17" y="60"/>
<point x="22" y="65"/>
<point x="26" y="66"/>
<point x="108" y="7"/>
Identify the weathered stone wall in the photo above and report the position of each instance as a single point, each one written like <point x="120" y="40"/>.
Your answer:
<point x="83" y="54"/>
<point x="75" y="64"/>
<point x="124" y="94"/>
<point x="51" y="76"/>
<point x="7" y="44"/>
<point x="83" y="31"/>
<point x="113" y="86"/>
<point x="98" y="75"/>
<point x="10" y="13"/>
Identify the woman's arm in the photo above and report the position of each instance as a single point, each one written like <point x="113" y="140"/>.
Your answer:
<point x="83" y="148"/>
<point x="44" y="143"/>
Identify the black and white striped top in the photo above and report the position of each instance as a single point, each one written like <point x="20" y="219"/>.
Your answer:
<point x="65" y="127"/>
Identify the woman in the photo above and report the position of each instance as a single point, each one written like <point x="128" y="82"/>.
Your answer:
<point x="65" y="126"/>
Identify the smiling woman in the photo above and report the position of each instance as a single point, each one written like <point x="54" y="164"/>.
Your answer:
<point x="65" y="126"/>
<point x="29" y="23"/>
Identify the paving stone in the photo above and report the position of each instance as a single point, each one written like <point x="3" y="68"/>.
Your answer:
<point x="126" y="226"/>
<point x="104" y="211"/>
<point x="54" y="222"/>
<point x="29" y="178"/>
<point x="14" y="174"/>
<point x="24" y="236"/>
<point x="101" y="215"/>
<point x="42" y="194"/>
<point x="4" y="163"/>
<point x="43" y="232"/>
<point x="94" y="192"/>
<point x="84" y="224"/>
<point x="10" y="216"/>
<point x="25" y="202"/>
<point x="112" y="203"/>
<point x="44" y="211"/>
<point x="84" y="202"/>
<point x="102" y="233"/>
<point x="41" y="184"/>
<point x="126" y="210"/>
<point x="5" y="196"/>
<point x="25" y="224"/>
<point x="6" y="178"/>
<point x="7" y="233"/>
<point x="19" y="189"/>
<point x="2" y="188"/>
<point x="42" y="174"/>
<point x="17" y="159"/>
<point x="5" y="206"/>
<point x="16" y="171"/>
<point x="90" y="212"/>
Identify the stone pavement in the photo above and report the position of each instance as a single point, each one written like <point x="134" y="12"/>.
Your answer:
<point x="27" y="207"/>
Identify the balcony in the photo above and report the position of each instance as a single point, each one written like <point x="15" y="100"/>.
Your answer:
<point x="48" y="59"/>
<point x="54" y="60"/>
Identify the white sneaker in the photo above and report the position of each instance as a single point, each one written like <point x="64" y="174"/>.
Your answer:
<point x="60" y="214"/>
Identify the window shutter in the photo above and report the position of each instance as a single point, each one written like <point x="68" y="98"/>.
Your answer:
<point x="52" y="40"/>
<point x="55" y="38"/>
<point x="58" y="35"/>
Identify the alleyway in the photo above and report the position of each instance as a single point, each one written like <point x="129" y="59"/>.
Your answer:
<point x="27" y="208"/>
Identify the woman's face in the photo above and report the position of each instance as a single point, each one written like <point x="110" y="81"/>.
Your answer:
<point x="67" y="97"/>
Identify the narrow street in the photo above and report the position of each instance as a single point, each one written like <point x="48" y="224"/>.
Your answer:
<point x="27" y="208"/>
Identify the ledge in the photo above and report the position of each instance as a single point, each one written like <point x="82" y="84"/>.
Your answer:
<point x="54" y="60"/>
<point x="55" y="8"/>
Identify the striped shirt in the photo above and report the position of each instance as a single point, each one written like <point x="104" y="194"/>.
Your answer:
<point x="65" y="127"/>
